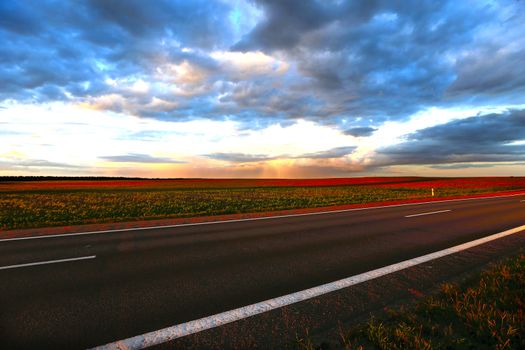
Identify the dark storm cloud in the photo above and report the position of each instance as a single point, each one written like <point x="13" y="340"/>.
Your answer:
<point x="487" y="138"/>
<point x="490" y="72"/>
<point x="285" y="23"/>
<point x="389" y="59"/>
<point x="140" y="158"/>
<point x="379" y="60"/>
<point x="360" y="131"/>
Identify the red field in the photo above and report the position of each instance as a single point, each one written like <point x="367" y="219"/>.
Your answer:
<point x="198" y="183"/>
<point x="469" y="182"/>
<point x="409" y="182"/>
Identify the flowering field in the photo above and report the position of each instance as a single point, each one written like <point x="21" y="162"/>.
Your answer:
<point x="25" y="204"/>
<point x="72" y="184"/>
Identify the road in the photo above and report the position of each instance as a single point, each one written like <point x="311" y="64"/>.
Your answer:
<point x="85" y="290"/>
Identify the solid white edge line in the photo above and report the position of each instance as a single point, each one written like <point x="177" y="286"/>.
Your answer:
<point x="47" y="262"/>
<point x="428" y="213"/>
<point x="184" y="329"/>
<point x="251" y="219"/>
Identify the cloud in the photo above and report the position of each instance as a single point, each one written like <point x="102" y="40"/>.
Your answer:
<point x="485" y="138"/>
<point x="284" y="24"/>
<point x="36" y="163"/>
<point x="472" y="165"/>
<point x="246" y="64"/>
<point x="264" y="61"/>
<point x="140" y="158"/>
<point x="387" y="60"/>
<point x="337" y="152"/>
<point x="490" y="72"/>
<point x="85" y="43"/>
<point x="239" y="157"/>
<point x="192" y="22"/>
<point x="12" y="133"/>
<point x="148" y="135"/>
<point x="360" y="131"/>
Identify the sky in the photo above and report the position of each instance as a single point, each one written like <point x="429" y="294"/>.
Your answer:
<point x="262" y="88"/>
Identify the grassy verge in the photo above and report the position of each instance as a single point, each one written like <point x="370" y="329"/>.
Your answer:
<point x="487" y="312"/>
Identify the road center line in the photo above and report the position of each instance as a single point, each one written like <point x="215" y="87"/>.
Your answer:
<point x="428" y="213"/>
<point x="170" y="333"/>
<point x="47" y="262"/>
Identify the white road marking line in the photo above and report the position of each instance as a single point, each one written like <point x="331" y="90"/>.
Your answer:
<point x="251" y="219"/>
<point x="428" y="213"/>
<point x="184" y="329"/>
<point x="47" y="262"/>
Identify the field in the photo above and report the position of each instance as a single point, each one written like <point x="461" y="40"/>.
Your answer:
<point x="487" y="312"/>
<point x="29" y="203"/>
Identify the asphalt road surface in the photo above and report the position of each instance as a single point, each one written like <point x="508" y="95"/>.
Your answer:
<point x="80" y="291"/>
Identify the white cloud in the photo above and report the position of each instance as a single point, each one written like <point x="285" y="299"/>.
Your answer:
<point x="249" y="63"/>
<point x="140" y="86"/>
<point x="75" y="135"/>
<point x="182" y="73"/>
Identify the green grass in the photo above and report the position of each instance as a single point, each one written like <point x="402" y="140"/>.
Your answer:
<point x="486" y="313"/>
<point x="20" y="210"/>
<point x="26" y="208"/>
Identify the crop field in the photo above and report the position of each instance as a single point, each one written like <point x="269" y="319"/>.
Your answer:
<point x="28" y="203"/>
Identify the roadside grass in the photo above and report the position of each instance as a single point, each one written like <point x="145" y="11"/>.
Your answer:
<point x="486" y="312"/>
<point x="56" y="203"/>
